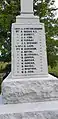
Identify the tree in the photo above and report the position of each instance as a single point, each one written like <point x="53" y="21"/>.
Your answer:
<point x="45" y="11"/>
<point x="9" y="9"/>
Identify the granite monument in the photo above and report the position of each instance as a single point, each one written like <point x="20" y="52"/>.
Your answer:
<point x="29" y="88"/>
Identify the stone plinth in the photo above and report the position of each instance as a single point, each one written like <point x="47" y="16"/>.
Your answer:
<point x="29" y="90"/>
<point x="42" y="110"/>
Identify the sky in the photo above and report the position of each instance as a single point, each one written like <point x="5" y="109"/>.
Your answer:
<point x="56" y="4"/>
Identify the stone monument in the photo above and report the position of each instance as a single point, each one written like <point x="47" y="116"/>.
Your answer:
<point x="28" y="44"/>
<point x="29" y="82"/>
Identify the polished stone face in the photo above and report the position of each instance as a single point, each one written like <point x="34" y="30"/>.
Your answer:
<point x="29" y="50"/>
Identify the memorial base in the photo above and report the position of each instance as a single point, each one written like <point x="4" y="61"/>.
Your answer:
<point x="43" y="110"/>
<point x="29" y="90"/>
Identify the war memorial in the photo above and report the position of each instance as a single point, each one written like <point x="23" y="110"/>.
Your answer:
<point x="29" y="92"/>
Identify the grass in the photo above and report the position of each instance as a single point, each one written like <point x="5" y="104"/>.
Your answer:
<point x="54" y="70"/>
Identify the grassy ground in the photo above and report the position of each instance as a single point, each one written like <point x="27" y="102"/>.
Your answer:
<point x="54" y="70"/>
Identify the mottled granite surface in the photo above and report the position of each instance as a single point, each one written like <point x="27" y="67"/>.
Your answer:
<point x="44" y="110"/>
<point x="31" y="115"/>
<point x="29" y="90"/>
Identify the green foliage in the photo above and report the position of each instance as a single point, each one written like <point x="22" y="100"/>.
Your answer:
<point x="54" y="70"/>
<point x="8" y="12"/>
<point x="51" y="52"/>
<point x="45" y="10"/>
<point x="3" y="65"/>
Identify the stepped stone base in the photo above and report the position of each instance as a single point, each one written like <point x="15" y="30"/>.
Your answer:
<point x="29" y="90"/>
<point x="43" y="110"/>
